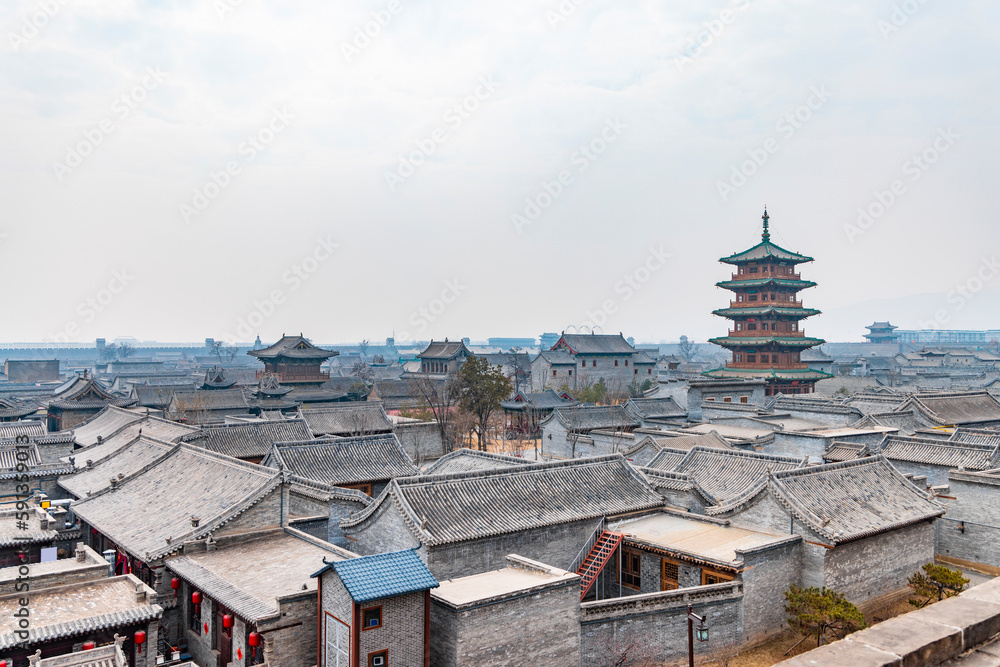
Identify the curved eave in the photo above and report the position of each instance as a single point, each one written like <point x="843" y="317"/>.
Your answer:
<point x="791" y="312"/>
<point x="768" y="251"/>
<point x="773" y="374"/>
<point x="760" y="282"/>
<point x="740" y="341"/>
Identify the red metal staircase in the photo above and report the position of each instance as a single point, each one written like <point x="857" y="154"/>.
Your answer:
<point x="598" y="557"/>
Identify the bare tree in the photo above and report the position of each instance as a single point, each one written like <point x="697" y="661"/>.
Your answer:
<point x="686" y="349"/>
<point x="362" y="371"/>
<point x="438" y="397"/>
<point x="363" y="348"/>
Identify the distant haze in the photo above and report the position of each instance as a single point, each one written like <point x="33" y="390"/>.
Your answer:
<point x="174" y="171"/>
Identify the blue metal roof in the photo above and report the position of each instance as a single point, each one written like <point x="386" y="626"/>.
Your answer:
<point x="383" y="575"/>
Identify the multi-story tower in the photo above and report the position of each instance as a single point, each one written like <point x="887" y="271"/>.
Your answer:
<point x="766" y="339"/>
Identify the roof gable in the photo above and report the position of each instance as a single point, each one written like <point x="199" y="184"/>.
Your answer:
<point x="593" y="344"/>
<point x="294" y="347"/>
<point x="853" y="499"/>
<point x="441" y="509"/>
<point x="338" y="461"/>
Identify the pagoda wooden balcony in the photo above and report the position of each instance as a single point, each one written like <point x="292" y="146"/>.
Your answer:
<point x="767" y="367"/>
<point x="762" y="334"/>
<point x="766" y="274"/>
<point x="765" y="304"/>
<point x="319" y="376"/>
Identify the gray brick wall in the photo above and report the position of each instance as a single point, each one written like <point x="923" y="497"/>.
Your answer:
<point x="542" y="628"/>
<point x="880" y="564"/>
<point x="767" y="574"/>
<point x="402" y="631"/>
<point x="293" y="634"/>
<point x="421" y="441"/>
<point x="386" y="532"/>
<point x="552" y="545"/>
<point x="656" y="633"/>
<point x="265" y="514"/>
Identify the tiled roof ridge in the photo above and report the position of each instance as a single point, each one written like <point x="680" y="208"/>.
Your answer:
<point x="741" y="500"/>
<point x="391" y="493"/>
<point x="118" y="451"/>
<point x="216" y="522"/>
<point x="475" y="453"/>
<point x="934" y="442"/>
<point x="741" y="454"/>
<point x="520" y="470"/>
<point x="103" y="411"/>
<point x="815" y="522"/>
<point x="243" y="604"/>
<point x="327" y="491"/>
<point x="677" y="480"/>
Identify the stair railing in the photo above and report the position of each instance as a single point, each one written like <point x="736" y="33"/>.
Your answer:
<point x="588" y="545"/>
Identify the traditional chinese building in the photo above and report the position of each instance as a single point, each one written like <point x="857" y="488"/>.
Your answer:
<point x="881" y="332"/>
<point x="766" y="339"/>
<point x="295" y="361"/>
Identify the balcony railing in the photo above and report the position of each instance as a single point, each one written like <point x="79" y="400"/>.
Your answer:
<point x="766" y="274"/>
<point x="766" y="367"/>
<point x="769" y="303"/>
<point x="757" y="334"/>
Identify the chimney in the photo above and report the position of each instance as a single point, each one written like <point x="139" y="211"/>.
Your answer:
<point x="140" y="593"/>
<point x="100" y="439"/>
<point x="81" y="554"/>
<point x="114" y="483"/>
<point x="195" y="521"/>
<point x="90" y="464"/>
<point x="210" y="544"/>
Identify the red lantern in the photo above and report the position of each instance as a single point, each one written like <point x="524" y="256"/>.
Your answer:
<point x="196" y="601"/>
<point x="140" y="639"/>
<point x="175" y="584"/>
<point x="89" y="645"/>
<point x="254" y="640"/>
<point x="227" y="623"/>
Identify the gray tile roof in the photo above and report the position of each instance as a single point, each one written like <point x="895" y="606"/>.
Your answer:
<point x="544" y="400"/>
<point x="356" y="418"/>
<point x="583" y="418"/>
<point x="597" y="343"/>
<point x="939" y="452"/>
<point x="668" y="459"/>
<point x="443" y="509"/>
<point x="157" y="502"/>
<point x="711" y="439"/>
<point x="468" y="460"/>
<point x="104" y="423"/>
<point x="29" y="427"/>
<point x="977" y="436"/>
<point x="956" y="408"/>
<point x="128" y="459"/>
<point x="665" y="479"/>
<point x="295" y="347"/>
<point x="907" y="421"/>
<point x="158" y="396"/>
<point x="556" y="358"/>
<point x="853" y="499"/>
<point x="339" y="461"/>
<point x="444" y="350"/>
<point x="13" y="453"/>
<point x="723" y="476"/>
<point x="252" y="577"/>
<point x="248" y="441"/>
<point x="207" y="399"/>
<point x="655" y="408"/>
<point x="75" y="610"/>
<point x="845" y="451"/>
<point x="153" y="427"/>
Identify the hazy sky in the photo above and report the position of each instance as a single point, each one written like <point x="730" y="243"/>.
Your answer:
<point x="178" y="170"/>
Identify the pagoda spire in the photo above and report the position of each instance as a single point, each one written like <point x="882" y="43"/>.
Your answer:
<point x="766" y="236"/>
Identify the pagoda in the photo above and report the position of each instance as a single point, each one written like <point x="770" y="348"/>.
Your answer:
<point x="294" y="360"/>
<point x="766" y="339"/>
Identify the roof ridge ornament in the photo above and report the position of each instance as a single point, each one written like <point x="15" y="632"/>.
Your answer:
<point x="766" y="235"/>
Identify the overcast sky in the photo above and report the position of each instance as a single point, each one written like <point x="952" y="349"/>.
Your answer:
<point x="179" y="170"/>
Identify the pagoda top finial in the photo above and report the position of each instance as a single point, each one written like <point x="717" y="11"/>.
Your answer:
<point x="766" y="236"/>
